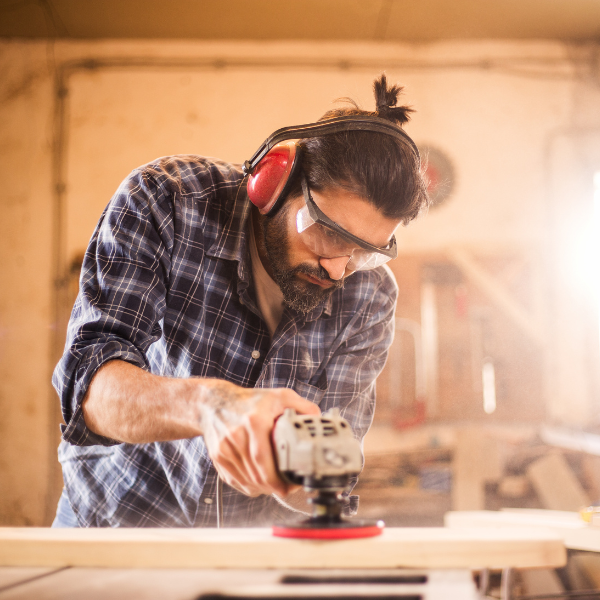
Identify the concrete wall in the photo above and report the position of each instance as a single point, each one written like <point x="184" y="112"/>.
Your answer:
<point x="77" y="117"/>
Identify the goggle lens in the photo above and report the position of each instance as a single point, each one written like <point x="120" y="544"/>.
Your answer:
<point x="328" y="243"/>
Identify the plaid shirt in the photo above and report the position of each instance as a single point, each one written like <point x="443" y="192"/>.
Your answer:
<point x="165" y="285"/>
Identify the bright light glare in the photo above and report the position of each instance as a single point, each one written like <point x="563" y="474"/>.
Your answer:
<point x="488" y="376"/>
<point x="581" y="261"/>
<point x="596" y="228"/>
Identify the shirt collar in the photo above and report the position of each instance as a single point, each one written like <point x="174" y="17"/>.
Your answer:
<point x="231" y="243"/>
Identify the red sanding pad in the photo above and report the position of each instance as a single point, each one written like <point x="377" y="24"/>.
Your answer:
<point x="339" y="531"/>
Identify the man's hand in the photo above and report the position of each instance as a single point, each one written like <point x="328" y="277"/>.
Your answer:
<point x="237" y="425"/>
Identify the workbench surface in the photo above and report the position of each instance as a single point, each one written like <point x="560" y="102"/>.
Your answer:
<point x="22" y="583"/>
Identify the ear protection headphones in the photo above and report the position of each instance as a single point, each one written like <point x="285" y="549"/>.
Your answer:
<point x="273" y="166"/>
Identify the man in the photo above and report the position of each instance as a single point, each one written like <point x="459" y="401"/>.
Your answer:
<point x="205" y="310"/>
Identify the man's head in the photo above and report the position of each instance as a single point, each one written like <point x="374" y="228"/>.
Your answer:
<point x="385" y="170"/>
<point x="352" y="190"/>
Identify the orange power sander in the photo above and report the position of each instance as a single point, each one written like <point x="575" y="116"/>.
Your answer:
<point x="322" y="455"/>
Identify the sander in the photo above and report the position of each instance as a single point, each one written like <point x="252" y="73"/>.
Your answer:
<point x="321" y="454"/>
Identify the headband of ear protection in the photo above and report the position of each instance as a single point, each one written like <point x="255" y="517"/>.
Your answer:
<point x="273" y="166"/>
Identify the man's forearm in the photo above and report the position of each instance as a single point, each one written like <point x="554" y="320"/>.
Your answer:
<point x="131" y="405"/>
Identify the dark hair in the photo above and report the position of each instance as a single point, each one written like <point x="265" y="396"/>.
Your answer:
<point x="380" y="168"/>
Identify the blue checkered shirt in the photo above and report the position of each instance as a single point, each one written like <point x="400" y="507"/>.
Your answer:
<point x="166" y="285"/>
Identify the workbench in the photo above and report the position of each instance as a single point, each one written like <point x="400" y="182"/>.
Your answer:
<point x="250" y="563"/>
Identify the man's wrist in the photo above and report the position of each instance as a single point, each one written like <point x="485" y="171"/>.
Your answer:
<point x="211" y="398"/>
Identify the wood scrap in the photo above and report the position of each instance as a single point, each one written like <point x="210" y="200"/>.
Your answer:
<point x="556" y="485"/>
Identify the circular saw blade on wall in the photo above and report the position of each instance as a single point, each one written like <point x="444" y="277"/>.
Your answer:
<point x="440" y="174"/>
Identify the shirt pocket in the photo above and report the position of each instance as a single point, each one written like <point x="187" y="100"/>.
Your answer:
<point x="309" y="392"/>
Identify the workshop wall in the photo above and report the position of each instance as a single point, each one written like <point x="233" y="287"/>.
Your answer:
<point x="77" y="117"/>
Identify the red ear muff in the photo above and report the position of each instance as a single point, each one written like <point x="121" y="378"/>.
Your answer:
<point x="268" y="181"/>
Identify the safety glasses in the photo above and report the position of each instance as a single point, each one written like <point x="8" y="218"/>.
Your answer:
<point x="327" y="239"/>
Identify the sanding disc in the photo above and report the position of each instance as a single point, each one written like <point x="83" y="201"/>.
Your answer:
<point x="344" y="530"/>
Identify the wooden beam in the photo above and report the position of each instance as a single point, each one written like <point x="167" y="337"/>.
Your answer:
<point x="497" y="293"/>
<point x="477" y="460"/>
<point x="556" y="485"/>
<point x="258" y="549"/>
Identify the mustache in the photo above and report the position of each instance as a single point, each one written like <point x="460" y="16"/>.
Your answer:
<point x="319" y="273"/>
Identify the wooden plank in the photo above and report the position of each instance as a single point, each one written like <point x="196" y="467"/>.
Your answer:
<point x="468" y="492"/>
<point x="515" y="517"/>
<point x="556" y="485"/>
<point x="258" y="549"/>
<point x="476" y="461"/>
<point x="571" y="439"/>
<point x="575" y="534"/>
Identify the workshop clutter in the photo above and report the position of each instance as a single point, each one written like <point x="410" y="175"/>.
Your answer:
<point x="412" y="478"/>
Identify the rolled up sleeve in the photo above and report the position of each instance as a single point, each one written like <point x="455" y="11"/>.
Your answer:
<point x="121" y="296"/>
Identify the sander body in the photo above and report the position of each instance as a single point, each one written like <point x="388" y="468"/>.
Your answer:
<point x="321" y="454"/>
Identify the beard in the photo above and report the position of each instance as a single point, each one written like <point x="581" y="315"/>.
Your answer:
<point x="298" y="294"/>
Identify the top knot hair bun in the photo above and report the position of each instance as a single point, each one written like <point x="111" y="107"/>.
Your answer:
<point x="386" y="100"/>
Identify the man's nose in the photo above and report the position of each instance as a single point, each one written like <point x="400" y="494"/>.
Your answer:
<point x="336" y="267"/>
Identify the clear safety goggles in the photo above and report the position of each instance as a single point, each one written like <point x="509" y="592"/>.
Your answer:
<point x="328" y="240"/>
